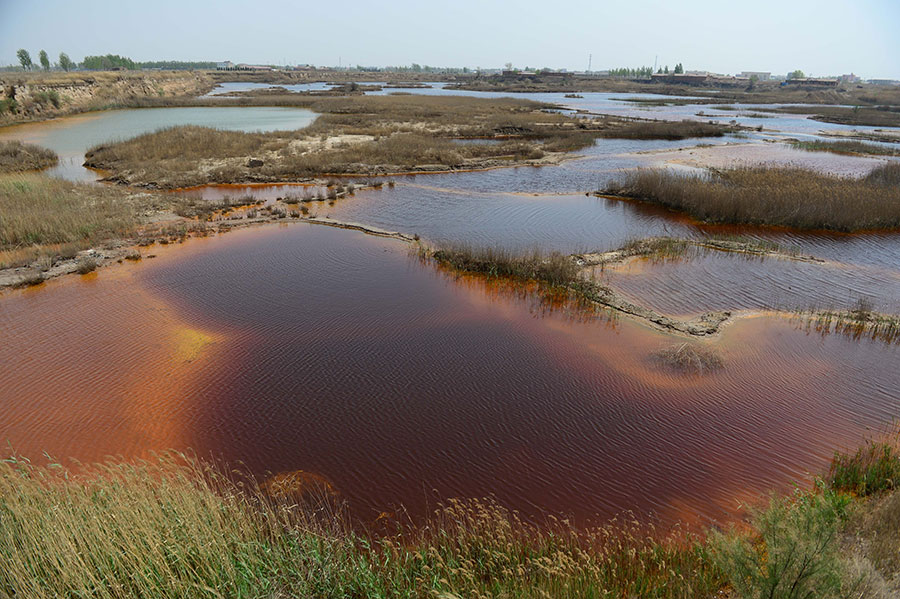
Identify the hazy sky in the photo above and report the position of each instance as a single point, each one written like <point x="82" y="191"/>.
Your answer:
<point x="821" y="37"/>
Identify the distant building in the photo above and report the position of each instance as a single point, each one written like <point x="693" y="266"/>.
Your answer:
<point x="883" y="82"/>
<point x="760" y="75"/>
<point x="851" y="78"/>
<point x="225" y="66"/>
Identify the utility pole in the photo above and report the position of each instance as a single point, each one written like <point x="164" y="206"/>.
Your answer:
<point x="655" y="60"/>
<point x="590" y="59"/>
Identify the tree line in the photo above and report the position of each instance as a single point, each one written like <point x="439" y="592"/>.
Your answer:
<point x="106" y="62"/>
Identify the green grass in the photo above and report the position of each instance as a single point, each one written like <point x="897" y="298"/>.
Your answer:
<point x="874" y="468"/>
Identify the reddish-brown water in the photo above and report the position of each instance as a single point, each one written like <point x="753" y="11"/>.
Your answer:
<point x="309" y="348"/>
<point x="716" y="280"/>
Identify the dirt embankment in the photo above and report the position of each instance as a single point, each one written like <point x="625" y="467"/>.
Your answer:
<point x="37" y="96"/>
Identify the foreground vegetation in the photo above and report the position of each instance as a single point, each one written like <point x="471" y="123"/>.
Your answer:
<point x="763" y="195"/>
<point x="174" y="527"/>
<point x="16" y="156"/>
<point x="47" y="219"/>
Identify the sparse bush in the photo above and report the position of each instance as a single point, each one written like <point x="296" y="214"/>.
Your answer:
<point x="886" y="175"/>
<point x="689" y="358"/>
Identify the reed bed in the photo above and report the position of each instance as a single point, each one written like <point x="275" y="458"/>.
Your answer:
<point x="667" y="130"/>
<point x="764" y="195"/>
<point x="175" y="527"/>
<point x="850" y="148"/>
<point x="16" y="156"/>
<point x="553" y="268"/>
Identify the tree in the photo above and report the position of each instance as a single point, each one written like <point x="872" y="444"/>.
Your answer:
<point x="679" y="69"/>
<point x="666" y="70"/>
<point x="24" y="58"/>
<point x="798" y="74"/>
<point x="65" y="62"/>
<point x="45" y="60"/>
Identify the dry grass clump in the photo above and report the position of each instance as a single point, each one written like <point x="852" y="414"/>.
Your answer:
<point x="689" y="358"/>
<point x="765" y="195"/>
<point x="850" y="148"/>
<point x="667" y="130"/>
<point x="16" y="156"/>
<point x="85" y="265"/>
<point x="553" y="268"/>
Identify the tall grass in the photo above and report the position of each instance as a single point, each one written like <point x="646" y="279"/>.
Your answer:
<point x="44" y="217"/>
<point x="16" y="156"/>
<point x="765" y="195"/>
<point x="174" y="527"/>
<point x="873" y="468"/>
<point x="40" y="210"/>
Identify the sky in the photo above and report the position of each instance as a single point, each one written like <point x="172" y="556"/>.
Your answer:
<point x="819" y="37"/>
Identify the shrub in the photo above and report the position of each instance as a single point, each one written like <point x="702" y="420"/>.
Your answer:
<point x="795" y="552"/>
